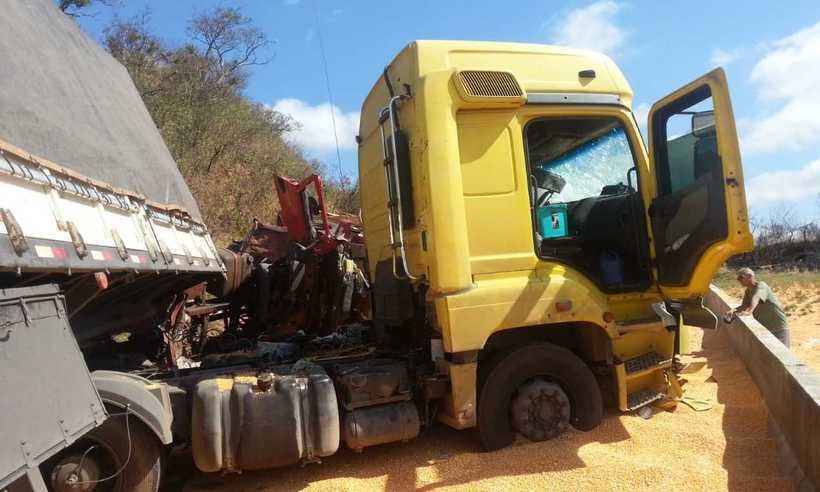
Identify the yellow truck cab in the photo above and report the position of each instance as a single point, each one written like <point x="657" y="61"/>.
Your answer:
<point x="515" y="217"/>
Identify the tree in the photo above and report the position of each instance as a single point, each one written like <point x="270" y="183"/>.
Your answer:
<point x="74" y="7"/>
<point x="229" y="42"/>
<point x="227" y="146"/>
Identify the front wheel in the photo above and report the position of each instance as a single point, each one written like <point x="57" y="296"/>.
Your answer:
<point x="537" y="390"/>
<point x="121" y="455"/>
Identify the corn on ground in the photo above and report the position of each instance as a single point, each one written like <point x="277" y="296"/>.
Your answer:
<point x="724" y="448"/>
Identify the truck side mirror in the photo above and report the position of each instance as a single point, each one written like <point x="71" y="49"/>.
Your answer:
<point x="703" y="123"/>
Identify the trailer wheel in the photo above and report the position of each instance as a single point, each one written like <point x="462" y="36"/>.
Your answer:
<point x="537" y="390"/>
<point x="103" y="460"/>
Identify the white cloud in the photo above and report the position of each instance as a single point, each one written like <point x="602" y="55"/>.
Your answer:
<point x="721" y="57"/>
<point x="800" y="185"/>
<point x="641" y="112"/>
<point x="793" y="127"/>
<point x="788" y="78"/>
<point x="592" y="27"/>
<point x="315" y="132"/>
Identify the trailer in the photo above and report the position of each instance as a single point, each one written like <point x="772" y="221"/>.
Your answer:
<point x="99" y="235"/>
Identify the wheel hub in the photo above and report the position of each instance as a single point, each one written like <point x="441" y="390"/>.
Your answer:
<point x="75" y="473"/>
<point x="540" y="410"/>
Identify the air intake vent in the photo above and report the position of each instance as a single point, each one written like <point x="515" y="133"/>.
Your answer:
<point x="482" y="83"/>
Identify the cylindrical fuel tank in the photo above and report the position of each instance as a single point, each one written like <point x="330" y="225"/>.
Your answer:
<point x="380" y="424"/>
<point x="242" y="422"/>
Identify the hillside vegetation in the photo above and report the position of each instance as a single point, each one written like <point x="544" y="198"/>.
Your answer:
<point x="228" y="147"/>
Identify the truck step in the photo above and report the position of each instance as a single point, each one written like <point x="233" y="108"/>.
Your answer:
<point x="642" y="398"/>
<point x="642" y="324"/>
<point x="649" y="360"/>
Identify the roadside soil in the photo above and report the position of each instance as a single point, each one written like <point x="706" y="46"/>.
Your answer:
<point x="723" y="448"/>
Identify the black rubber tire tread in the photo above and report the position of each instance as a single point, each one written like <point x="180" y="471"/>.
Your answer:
<point x="488" y="363"/>
<point x="143" y="472"/>
<point x="522" y="364"/>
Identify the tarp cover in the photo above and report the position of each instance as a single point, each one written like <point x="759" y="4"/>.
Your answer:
<point x="63" y="97"/>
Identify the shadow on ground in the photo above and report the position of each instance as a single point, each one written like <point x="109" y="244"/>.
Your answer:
<point x="441" y="457"/>
<point x="750" y="457"/>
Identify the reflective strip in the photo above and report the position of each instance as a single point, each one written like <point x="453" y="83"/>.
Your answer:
<point x="43" y="251"/>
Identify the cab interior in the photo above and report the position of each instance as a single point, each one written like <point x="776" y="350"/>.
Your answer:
<point x="586" y="208"/>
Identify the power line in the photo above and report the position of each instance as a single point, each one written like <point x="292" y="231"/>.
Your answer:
<point x="329" y="92"/>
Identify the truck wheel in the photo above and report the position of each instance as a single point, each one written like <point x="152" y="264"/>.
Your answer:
<point x="105" y="452"/>
<point x="540" y="410"/>
<point x="537" y="390"/>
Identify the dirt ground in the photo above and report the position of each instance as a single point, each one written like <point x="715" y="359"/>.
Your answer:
<point x="723" y="448"/>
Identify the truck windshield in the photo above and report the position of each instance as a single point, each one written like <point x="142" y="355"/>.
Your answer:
<point x="589" y="154"/>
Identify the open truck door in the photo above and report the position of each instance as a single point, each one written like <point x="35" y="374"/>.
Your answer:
<point x="698" y="210"/>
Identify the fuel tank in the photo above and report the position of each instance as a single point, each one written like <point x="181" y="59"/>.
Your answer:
<point x="266" y="420"/>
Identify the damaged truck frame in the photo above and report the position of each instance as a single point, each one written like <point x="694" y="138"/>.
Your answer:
<point x="521" y="261"/>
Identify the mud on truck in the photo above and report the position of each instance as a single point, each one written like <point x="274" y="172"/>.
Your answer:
<point x="521" y="261"/>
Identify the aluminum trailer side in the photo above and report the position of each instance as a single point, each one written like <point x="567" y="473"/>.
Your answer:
<point x="100" y="238"/>
<point x="90" y="197"/>
<point x="56" y="220"/>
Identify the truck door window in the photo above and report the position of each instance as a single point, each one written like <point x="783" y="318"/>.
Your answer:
<point x="586" y="211"/>
<point x="689" y="211"/>
<point x="691" y="146"/>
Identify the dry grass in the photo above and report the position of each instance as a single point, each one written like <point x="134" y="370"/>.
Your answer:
<point x="725" y="279"/>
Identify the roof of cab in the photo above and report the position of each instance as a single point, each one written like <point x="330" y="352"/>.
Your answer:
<point x="538" y="67"/>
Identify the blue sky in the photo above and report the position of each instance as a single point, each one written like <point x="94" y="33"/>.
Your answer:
<point x="771" y="53"/>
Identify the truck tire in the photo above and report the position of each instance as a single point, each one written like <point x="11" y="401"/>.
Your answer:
<point x="105" y="451"/>
<point x="525" y="368"/>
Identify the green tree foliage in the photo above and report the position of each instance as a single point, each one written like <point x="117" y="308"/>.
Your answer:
<point x="227" y="146"/>
<point x="75" y="7"/>
<point x="70" y="6"/>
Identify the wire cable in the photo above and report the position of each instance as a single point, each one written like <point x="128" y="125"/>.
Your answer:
<point x="329" y="92"/>
<point x="127" y="413"/>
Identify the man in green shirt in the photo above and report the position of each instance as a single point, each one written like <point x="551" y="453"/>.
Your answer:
<point x="760" y="302"/>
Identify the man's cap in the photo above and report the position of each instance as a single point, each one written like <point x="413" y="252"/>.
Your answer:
<point x="745" y="272"/>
